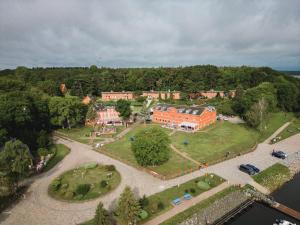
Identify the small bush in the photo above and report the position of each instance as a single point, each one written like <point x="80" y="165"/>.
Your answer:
<point x="43" y="152"/>
<point x="91" y="165"/>
<point x="82" y="189"/>
<point x="144" y="201"/>
<point x="78" y="197"/>
<point x="65" y="186"/>
<point x="192" y="190"/>
<point x="56" y="184"/>
<point x="143" y="214"/>
<point x="103" y="183"/>
<point x="186" y="191"/>
<point x="69" y="194"/>
<point x="110" y="168"/>
<point x="160" y="206"/>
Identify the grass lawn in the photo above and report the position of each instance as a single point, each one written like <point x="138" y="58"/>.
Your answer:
<point x="162" y="201"/>
<point x="198" y="207"/>
<point x="121" y="150"/>
<point x="276" y="120"/>
<point x="60" y="151"/>
<point x="211" y="144"/>
<point x="273" y="177"/>
<point x="292" y="129"/>
<point x="95" y="179"/>
<point x="82" y="134"/>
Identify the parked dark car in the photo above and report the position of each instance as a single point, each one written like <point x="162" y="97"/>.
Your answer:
<point x="279" y="154"/>
<point x="256" y="170"/>
<point x="247" y="169"/>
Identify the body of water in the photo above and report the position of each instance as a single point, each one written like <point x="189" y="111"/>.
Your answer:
<point x="259" y="214"/>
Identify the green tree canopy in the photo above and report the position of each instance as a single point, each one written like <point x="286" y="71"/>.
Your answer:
<point x="67" y="111"/>
<point x="123" y="107"/>
<point x="101" y="216"/>
<point x="15" y="159"/>
<point x="151" y="147"/>
<point x="128" y="207"/>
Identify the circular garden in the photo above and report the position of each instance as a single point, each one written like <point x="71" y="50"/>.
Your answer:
<point x="86" y="182"/>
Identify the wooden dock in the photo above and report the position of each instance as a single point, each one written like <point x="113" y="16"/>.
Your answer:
<point x="286" y="210"/>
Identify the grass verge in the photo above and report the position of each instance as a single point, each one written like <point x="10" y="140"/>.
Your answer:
<point x="162" y="201"/>
<point x="292" y="129"/>
<point x="60" y="151"/>
<point x="273" y="177"/>
<point x="198" y="207"/>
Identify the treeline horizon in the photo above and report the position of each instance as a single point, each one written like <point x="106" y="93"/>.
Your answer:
<point x="92" y="80"/>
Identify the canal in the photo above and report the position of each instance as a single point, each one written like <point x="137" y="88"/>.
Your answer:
<point x="259" y="214"/>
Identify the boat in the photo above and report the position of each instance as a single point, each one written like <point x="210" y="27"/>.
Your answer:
<point x="283" y="222"/>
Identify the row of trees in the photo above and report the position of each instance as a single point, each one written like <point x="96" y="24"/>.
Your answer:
<point x="93" y="80"/>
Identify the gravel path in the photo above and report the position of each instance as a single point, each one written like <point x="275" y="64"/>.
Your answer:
<point x="38" y="208"/>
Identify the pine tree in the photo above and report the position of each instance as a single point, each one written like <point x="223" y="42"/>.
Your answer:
<point x="128" y="207"/>
<point x="101" y="216"/>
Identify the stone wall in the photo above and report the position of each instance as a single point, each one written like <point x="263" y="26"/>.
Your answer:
<point x="216" y="210"/>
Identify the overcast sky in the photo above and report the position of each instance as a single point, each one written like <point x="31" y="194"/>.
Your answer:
<point x="135" y="33"/>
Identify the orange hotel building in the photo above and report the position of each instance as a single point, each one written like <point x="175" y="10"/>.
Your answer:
<point x="183" y="117"/>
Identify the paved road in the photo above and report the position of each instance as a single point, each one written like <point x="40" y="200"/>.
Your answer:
<point x="38" y="208"/>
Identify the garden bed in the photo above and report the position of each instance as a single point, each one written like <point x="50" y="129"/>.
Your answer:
<point x="86" y="182"/>
<point x="161" y="202"/>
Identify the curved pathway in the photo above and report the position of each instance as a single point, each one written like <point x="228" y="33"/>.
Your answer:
<point x="38" y="208"/>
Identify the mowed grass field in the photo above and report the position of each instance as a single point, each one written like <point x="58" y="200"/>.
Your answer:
<point x="275" y="121"/>
<point x="212" y="144"/>
<point x="121" y="149"/>
<point x="292" y="129"/>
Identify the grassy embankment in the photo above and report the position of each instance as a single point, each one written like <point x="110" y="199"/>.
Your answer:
<point x="160" y="203"/>
<point x="273" y="177"/>
<point x="180" y="217"/>
<point x="292" y="129"/>
<point x="60" y="151"/>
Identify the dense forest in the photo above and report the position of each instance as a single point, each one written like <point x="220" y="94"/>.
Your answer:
<point x="31" y="103"/>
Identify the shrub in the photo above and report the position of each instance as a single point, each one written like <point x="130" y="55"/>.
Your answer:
<point x="78" y="197"/>
<point x="82" y="189"/>
<point x="144" y="201"/>
<point x="65" y="186"/>
<point x="143" y="214"/>
<point x="69" y="194"/>
<point x="103" y="183"/>
<point x="186" y="191"/>
<point x="203" y="185"/>
<point x="192" y="190"/>
<point x="56" y="184"/>
<point x="110" y="168"/>
<point x="91" y="165"/>
<point x="43" y="152"/>
<point x="160" y="206"/>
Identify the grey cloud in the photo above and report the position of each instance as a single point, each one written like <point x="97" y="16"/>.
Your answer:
<point x="128" y="33"/>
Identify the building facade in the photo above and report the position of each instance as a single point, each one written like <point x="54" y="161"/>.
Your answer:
<point x="108" y="116"/>
<point x="114" y="96"/>
<point x="183" y="117"/>
<point x="212" y="94"/>
<point x="162" y="94"/>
